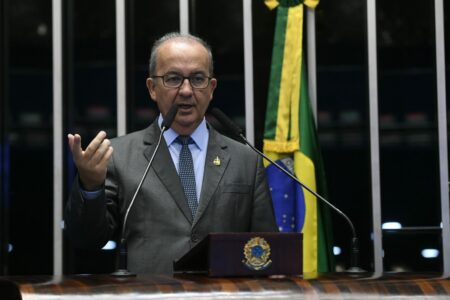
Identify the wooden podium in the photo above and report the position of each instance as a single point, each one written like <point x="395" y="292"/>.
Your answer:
<point x="244" y="254"/>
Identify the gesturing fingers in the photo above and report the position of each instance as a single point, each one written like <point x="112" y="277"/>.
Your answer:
<point x="93" y="161"/>
<point x="94" y="145"/>
<point x="96" y="154"/>
<point x="75" y="146"/>
<point x="104" y="161"/>
<point x="101" y="151"/>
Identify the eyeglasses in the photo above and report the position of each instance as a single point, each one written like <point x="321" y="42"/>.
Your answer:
<point x="197" y="81"/>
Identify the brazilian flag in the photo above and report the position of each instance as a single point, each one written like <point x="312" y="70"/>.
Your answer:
<point x="290" y="138"/>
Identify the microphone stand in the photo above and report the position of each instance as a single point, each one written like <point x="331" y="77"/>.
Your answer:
<point x="354" y="253"/>
<point x="122" y="270"/>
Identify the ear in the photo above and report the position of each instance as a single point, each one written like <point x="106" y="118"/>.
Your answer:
<point x="212" y="86"/>
<point x="151" y="88"/>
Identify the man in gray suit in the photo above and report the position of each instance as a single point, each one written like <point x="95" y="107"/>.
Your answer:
<point x="226" y="192"/>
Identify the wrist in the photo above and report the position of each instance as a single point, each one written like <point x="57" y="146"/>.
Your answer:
<point x="88" y="187"/>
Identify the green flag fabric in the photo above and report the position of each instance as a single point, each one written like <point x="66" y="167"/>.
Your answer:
<point x="290" y="138"/>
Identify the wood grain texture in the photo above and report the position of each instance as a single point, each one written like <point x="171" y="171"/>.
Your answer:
<point x="336" y="286"/>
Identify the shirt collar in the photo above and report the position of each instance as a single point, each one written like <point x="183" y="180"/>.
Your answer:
<point x="199" y="136"/>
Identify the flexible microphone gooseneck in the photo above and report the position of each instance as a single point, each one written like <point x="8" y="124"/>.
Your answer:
<point x="354" y="259"/>
<point x="122" y="270"/>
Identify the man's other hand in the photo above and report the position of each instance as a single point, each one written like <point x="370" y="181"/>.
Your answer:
<point x="93" y="161"/>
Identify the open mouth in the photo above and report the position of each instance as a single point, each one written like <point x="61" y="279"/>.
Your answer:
<point x="185" y="106"/>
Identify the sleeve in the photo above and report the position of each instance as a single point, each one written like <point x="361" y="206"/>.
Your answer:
<point x="91" y="223"/>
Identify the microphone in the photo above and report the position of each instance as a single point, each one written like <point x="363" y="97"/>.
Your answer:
<point x="122" y="270"/>
<point x="170" y="116"/>
<point x="354" y="258"/>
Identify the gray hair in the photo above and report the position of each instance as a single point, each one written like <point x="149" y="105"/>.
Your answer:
<point x="180" y="36"/>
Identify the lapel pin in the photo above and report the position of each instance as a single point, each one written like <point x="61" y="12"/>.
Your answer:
<point x="216" y="161"/>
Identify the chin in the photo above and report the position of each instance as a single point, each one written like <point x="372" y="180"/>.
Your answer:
<point x="185" y="127"/>
<point x="186" y="121"/>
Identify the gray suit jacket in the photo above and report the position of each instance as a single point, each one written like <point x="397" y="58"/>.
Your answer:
<point x="160" y="229"/>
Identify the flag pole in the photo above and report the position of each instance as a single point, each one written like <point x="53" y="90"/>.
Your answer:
<point x="311" y="59"/>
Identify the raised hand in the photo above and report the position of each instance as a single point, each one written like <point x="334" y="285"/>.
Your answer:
<point x="93" y="161"/>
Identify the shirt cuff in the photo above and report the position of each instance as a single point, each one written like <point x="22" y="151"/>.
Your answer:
<point x="89" y="195"/>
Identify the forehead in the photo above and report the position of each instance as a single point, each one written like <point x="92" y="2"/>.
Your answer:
<point x="182" y="54"/>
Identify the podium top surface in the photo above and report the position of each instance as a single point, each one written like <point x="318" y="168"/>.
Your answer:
<point x="331" y="286"/>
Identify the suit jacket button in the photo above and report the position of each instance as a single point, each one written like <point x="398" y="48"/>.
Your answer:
<point x="195" y="238"/>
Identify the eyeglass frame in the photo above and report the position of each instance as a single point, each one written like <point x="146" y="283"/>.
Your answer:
<point x="182" y="81"/>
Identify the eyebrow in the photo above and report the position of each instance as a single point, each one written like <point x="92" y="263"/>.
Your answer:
<point x="191" y="74"/>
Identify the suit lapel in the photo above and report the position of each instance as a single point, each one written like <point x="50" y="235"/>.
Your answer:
<point x="216" y="162"/>
<point x="164" y="168"/>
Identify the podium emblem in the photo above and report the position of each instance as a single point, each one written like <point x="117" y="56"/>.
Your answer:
<point x="257" y="254"/>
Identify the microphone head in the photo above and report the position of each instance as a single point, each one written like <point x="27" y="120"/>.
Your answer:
<point x="222" y="118"/>
<point x="170" y="116"/>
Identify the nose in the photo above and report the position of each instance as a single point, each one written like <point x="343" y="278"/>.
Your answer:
<point x="186" y="87"/>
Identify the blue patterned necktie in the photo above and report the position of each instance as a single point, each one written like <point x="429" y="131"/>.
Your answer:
<point x="186" y="173"/>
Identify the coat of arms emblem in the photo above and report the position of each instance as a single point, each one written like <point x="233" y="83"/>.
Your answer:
<point x="257" y="254"/>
